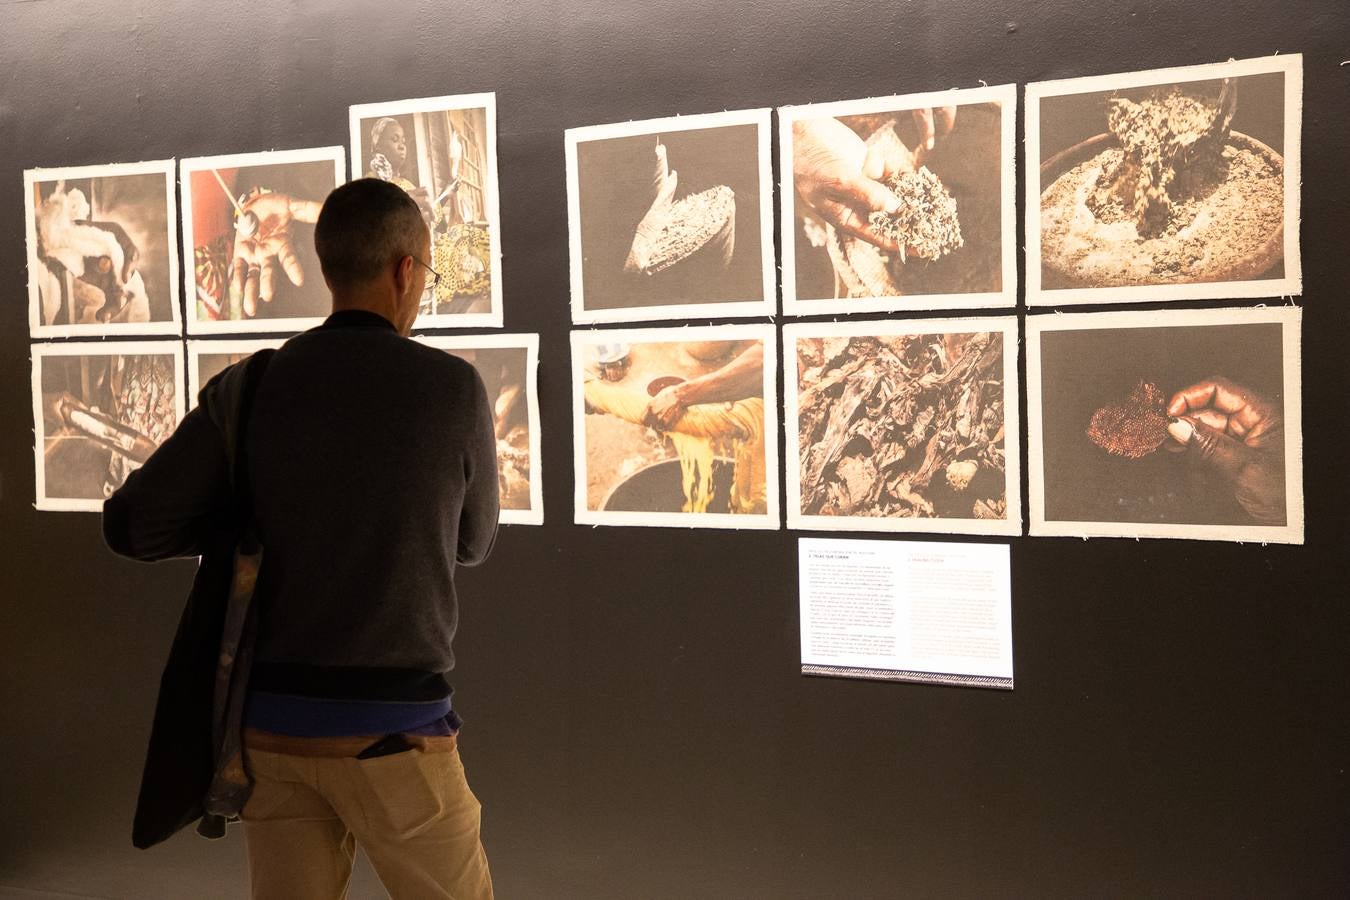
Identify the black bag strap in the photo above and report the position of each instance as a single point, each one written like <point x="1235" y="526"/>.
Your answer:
<point x="230" y="785"/>
<point x="255" y="367"/>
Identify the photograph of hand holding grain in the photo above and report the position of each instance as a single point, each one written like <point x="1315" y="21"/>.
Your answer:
<point x="899" y="199"/>
<point x="1179" y="182"/>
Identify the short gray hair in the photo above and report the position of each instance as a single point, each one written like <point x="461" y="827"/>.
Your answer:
<point x="364" y="226"/>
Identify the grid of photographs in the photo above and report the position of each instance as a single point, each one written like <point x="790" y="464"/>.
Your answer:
<point x="248" y="228"/>
<point x="508" y="365"/>
<point x="99" y="411"/>
<point x="899" y="203"/>
<point x="676" y="426"/>
<point x="1153" y="186"/>
<point x="671" y="218"/>
<point x="443" y="152"/>
<point x="903" y="426"/>
<point x="1174" y="184"/>
<point x="1184" y="424"/>
<point x="101" y="260"/>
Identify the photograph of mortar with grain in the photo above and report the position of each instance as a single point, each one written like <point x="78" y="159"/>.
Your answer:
<point x="1183" y="181"/>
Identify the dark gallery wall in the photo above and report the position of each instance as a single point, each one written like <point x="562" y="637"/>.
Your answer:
<point x="636" y="722"/>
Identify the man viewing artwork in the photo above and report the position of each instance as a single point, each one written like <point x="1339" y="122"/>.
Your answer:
<point x="365" y="497"/>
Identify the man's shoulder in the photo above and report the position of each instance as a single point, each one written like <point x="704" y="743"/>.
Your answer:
<point x="225" y="390"/>
<point x="451" y="365"/>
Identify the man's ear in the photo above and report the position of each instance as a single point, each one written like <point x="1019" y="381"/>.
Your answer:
<point x="403" y="274"/>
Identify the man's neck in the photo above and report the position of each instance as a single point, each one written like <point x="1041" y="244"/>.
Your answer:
<point x="382" y="306"/>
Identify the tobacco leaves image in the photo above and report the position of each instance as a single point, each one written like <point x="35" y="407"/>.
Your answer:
<point x="902" y="426"/>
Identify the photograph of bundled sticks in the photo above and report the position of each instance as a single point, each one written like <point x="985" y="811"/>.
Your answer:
<point x="903" y="426"/>
<point x="671" y="218"/>
<point x="248" y="236"/>
<point x="99" y="412"/>
<point x="675" y="427"/>
<point x="1184" y="180"/>
<point x="1173" y="424"/>
<point x="899" y="202"/>
<point x="101" y="259"/>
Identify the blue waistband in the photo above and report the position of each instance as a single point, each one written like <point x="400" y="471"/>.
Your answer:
<point x="317" y="717"/>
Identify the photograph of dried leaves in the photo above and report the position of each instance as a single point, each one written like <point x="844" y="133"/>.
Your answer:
<point x="1173" y="183"/>
<point x="1166" y="425"/>
<point x="899" y="202"/>
<point x="672" y="219"/>
<point x="896" y="431"/>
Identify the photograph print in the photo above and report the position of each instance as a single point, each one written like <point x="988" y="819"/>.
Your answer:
<point x="207" y="359"/>
<point x="676" y="427"/>
<point x="903" y="426"/>
<point x="99" y="411"/>
<point x="509" y="365"/>
<point x="248" y="236"/>
<point x="671" y="218"/>
<point x="899" y="203"/>
<point x="443" y="152"/>
<point x="1174" y="184"/>
<point x="101" y="250"/>
<point x="1181" y="423"/>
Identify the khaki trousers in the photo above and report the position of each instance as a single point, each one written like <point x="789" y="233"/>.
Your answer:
<point x="412" y="812"/>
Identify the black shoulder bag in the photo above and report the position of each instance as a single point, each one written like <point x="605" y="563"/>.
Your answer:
<point x="194" y="763"/>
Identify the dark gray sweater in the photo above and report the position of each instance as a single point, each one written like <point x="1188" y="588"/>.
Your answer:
<point x="374" y="474"/>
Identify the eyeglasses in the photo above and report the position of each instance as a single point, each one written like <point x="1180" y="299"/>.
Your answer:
<point x="435" y="276"/>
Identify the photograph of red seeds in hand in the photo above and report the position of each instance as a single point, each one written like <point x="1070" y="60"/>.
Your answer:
<point x="1180" y="424"/>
